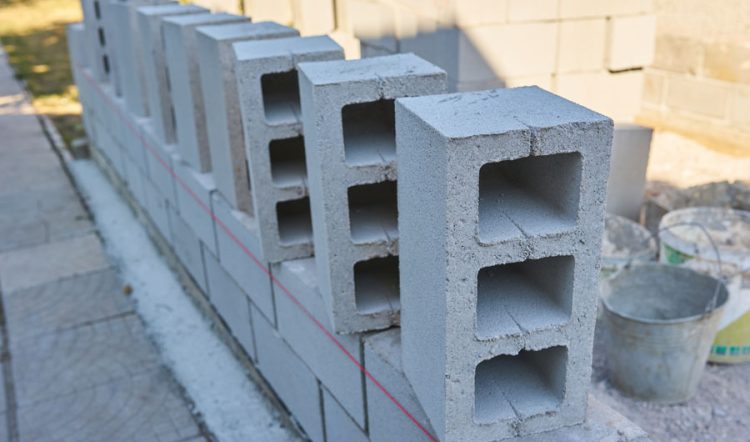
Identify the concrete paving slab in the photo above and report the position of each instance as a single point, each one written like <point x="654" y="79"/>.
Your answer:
<point x="66" y="303"/>
<point x="79" y="358"/>
<point x="145" y="407"/>
<point x="48" y="262"/>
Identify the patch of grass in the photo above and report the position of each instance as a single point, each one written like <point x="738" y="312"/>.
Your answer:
<point x="33" y="35"/>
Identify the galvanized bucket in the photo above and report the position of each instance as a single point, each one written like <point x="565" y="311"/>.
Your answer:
<point x="716" y="241"/>
<point x="659" y="324"/>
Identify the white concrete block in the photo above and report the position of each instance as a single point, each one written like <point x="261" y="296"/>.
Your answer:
<point x="187" y="247"/>
<point x="295" y="385"/>
<point x="582" y="44"/>
<point x="535" y="10"/>
<point x="193" y="191"/>
<point x="240" y="254"/>
<point x="631" y="42"/>
<point x="480" y="12"/>
<point x="339" y="426"/>
<point x="313" y="17"/>
<point x="327" y="361"/>
<point x="231" y="302"/>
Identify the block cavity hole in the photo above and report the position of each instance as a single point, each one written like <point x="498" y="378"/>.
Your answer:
<point x="530" y="196"/>
<point x="524" y="296"/>
<point x="281" y="97"/>
<point x="369" y="133"/>
<point x="519" y="386"/>
<point x="288" y="167"/>
<point x="373" y="213"/>
<point x="295" y="221"/>
<point x="376" y="285"/>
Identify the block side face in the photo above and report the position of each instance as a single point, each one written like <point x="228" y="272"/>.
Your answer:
<point x="423" y="254"/>
<point x="331" y="178"/>
<point x="339" y="425"/>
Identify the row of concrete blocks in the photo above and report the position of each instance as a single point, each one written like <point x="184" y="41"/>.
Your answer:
<point x="513" y="182"/>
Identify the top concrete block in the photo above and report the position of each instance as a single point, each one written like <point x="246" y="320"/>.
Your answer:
<point x="269" y="96"/>
<point x="350" y="149"/>
<point x="185" y="85"/>
<point x="501" y="200"/>
<point x="155" y="65"/>
<point x="221" y="100"/>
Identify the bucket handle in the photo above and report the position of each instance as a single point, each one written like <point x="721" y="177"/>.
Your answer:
<point x="712" y="303"/>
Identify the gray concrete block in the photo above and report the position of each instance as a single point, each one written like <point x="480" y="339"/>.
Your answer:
<point x="222" y="107"/>
<point x="187" y="247"/>
<point x="231" y="303"/>
<point x="292" y="381"/>
<point x="328" y="362"/>
<point x="194" y="191"/>
<point x="185" y="85"/>
<point x="269" y="98"/>
<point x="95" y="40"/>
<point x="501" y="199"/>
<point x="347" y="108"/>
<point x="130" y="54"/>
<point x="339" y="426"/>
<point x="157" y="208"/>
<point x="155" y="64"/>
<point x="387" y="422"/>
<point x="240" y="254"/>
<point x="160" y="162"/>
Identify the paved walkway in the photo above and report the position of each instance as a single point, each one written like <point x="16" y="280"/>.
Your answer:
<point x="76" y="362"/>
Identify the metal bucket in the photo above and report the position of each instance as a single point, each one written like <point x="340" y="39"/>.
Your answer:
<point x="624" y="242"/>
<point x="716" y="241"/>
<point x="659" y="324"/>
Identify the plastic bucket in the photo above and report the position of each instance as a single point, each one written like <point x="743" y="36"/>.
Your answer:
<point x="659" y="324"/>
<point x="624" y="242"/>
<point x="684" y="241"/>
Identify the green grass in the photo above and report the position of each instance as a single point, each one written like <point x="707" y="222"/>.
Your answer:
<point x="33" y="35"/>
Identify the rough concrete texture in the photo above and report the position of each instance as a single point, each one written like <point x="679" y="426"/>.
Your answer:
<point x="347" y="109"/>
<point x="126" y="40"/>
<point x="330" y="364"/>
<point x="222" y="107"/>
<point x="194" y="192"/>
<point x="187" y="246"/>
<point x="230" y="302"/>
<point x="339" y="426"/>
<point x="160" y="161"/>
<point x="240" y="254"/>
<point x="181" y="49"/>
<point x="269" y="99"/>
<point x="501" y="200"/>
<point x="155" y="64"/>
<point x="295" y="385"/>
<point x="383" y="356"/>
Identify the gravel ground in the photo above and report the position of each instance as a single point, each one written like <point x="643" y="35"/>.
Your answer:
<point x="720" y="411"/>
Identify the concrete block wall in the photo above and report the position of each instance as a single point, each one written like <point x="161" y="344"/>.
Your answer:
<point x="350" y="145"/>
<point x="274" y="141"/>
<point x="338" y="386"/>
<point x="505" y="43"/>
<point x="699" y="82"/>
<point x="512" y="198"/>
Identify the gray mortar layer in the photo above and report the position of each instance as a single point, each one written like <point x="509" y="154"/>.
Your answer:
<point x="254" y="60"/>
<point x="443" y="141"/>
<point x="222" y="107"/>
<point x="155" y="64"/>
<point x="185" y="84"/>
<point x="325" y="88"/>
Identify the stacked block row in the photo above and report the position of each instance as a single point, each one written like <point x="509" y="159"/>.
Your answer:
<point x="269" y="165"/>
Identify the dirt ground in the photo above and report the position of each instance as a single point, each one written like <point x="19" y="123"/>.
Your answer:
<point x="720" y="411"/>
